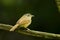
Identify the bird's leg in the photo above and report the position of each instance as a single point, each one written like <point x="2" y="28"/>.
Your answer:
<point x="27" y="28"/>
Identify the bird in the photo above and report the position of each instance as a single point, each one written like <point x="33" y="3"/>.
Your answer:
<point x="24" y="21"/>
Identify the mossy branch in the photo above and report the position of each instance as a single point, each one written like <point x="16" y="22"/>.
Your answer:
<point x="32" y="32"/>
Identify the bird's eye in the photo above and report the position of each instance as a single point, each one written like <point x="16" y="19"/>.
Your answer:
<point x="28" y="15"/>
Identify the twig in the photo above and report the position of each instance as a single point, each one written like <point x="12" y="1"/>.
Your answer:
<point x="32" y="32"/>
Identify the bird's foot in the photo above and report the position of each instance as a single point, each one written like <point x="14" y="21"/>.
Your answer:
<point x="28" y="29"/>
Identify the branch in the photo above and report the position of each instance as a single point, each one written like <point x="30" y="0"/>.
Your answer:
<point x="32" y="32"/>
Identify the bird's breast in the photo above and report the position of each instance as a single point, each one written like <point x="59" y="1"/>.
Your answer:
<point x="25" y="23"/>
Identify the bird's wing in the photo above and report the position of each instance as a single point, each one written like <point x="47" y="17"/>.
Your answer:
<point x="24" y="22"/>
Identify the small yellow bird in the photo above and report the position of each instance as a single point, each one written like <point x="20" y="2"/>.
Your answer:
<point x="24" y="21"/>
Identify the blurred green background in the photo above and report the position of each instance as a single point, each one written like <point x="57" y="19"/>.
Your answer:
<point x="47" y="16"/>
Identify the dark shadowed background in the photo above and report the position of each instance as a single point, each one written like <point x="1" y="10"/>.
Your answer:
<point x="47" y="17"/>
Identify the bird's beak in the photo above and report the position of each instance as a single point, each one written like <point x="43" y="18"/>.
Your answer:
<point x="32" y="15"/>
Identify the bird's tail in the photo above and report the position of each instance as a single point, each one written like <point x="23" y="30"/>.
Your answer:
<point x="14" y="27"/>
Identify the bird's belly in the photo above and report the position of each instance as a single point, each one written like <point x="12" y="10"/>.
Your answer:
<point x="25" y="25"/>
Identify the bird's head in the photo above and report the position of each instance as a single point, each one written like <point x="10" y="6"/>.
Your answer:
<point x="28" y="15"/>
